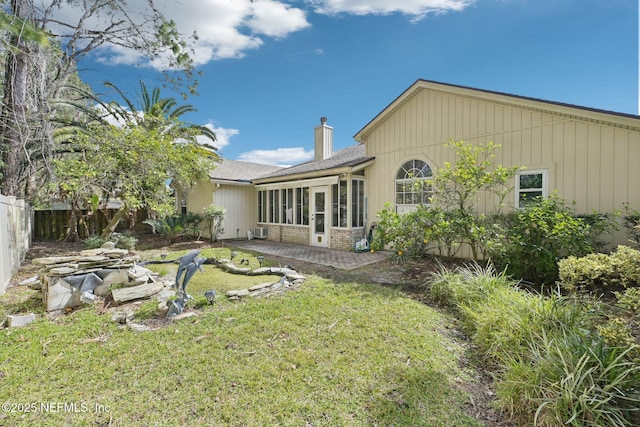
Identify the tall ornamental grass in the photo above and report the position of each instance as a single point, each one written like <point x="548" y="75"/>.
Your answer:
<point x="552" y="367"/>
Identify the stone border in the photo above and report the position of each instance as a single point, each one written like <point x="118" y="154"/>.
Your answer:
<point x="289" y="279"/>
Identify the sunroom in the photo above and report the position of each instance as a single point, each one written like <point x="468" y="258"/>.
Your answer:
<point x="320" y="203"/>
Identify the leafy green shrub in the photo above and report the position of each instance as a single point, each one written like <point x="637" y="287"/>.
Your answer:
<point x="126" y="241"/>
<point x="410" y="233"/>
<point x="601" y="272"/>
<point x="616" y="332"/>
<point x="529" y="243"/>
<point x="629" y="300"/>
<point x="93" y="242"/>
<point x="600" y="225"/>
<point x="214" y="217"/>
<point x="451" y="220"/>
<point x="631" y="222"/>
<point x="174" y="226"/>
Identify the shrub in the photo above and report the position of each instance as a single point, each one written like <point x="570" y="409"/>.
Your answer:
<point x="631" y="222"/>
<point x="629" y="300"/>
<point x="600" y="272"/>
<point x="126" y="241"/>
<point x="411" y="233"/>
<point x="616" y="332"/>
<point x="529" y="243"/>
<point x="93" y="242"/>
<point x="451" y="220"/>
<point x="174" y="226"/>
<point x="213" y="217"/>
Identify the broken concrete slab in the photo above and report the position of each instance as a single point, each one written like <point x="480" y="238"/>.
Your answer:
<point x="16" y="321"/>
<point x="135" y="292"/>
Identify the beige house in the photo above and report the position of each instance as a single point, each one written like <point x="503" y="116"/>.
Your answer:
<point x="589" y="156"/>
<point x="230" y="187"/>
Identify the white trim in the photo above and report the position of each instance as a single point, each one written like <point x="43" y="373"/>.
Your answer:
<point x="315" y="182"/>
<point x="544" y="189"/>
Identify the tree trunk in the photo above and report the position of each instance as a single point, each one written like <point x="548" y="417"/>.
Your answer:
<point x="14" y="126"/>
<point x="111" y="227"/>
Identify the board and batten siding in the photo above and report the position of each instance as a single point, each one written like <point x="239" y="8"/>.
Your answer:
<point x="590" y="160"/>
<point x="240" y="201"/>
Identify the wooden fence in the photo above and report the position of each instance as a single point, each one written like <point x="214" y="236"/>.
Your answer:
<point x="53" y="224"/>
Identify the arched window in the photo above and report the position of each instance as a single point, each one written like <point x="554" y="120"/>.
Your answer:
<point x="412" y="185"/>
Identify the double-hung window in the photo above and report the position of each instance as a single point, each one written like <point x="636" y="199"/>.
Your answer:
<point x="531" y="185"/>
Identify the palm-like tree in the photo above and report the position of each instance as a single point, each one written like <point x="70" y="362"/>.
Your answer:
<point x="153" y="111"/>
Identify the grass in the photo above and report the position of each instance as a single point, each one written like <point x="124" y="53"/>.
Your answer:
<point x="323" y="355"/>
<point x="213" y="277"/>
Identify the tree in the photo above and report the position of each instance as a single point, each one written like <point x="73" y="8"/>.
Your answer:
<point x="131" y="164"/>
<point x="100" y="22"/>
<point x="456" y="187"/>
<point x="150" y="111"/>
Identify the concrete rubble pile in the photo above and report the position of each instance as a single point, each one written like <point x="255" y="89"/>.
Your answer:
<point x="71" y="280"/>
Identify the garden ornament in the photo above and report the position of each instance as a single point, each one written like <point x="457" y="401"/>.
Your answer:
<point x="185" y="260"/>
<point x="190" y="270"/>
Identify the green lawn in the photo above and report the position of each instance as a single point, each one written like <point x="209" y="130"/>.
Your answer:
<point x="321" y="355"/>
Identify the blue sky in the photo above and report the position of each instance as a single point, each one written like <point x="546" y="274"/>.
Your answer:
<point x="271" y="69"/>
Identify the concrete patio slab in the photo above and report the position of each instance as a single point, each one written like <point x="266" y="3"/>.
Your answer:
<point x="324" y="256"/>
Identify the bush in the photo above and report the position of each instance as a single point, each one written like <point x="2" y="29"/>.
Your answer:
<point x="601" y="272"/>
<point x="409" y="233"/>
<point x="214" y="217"/>
<point x="174" y="226"/>
<point x="529" y="243"/>
<point x="629" y="300"/>
<point x="93" y="242"/>
<point x="126" y="241"/>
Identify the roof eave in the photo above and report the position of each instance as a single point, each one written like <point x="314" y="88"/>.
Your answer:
<point x="317" y="174"/>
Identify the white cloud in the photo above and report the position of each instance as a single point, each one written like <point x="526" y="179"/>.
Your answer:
<point x="225" y="28"/>
<point x="416" y="8"/>
<point x="223" y="135"/>
<point x="278" y="157"/>
<point x="276" y="19"/>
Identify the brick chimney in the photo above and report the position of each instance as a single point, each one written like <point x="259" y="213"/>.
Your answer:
<point x="323" y="140"/>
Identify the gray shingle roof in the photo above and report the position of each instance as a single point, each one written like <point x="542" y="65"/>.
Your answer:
<point x="234" y="170"/>
<point x="350" y="156"/>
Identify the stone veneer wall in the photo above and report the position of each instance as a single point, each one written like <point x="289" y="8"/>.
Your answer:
<point x="288" y="233"/>
<point x="339" y="238"/>
<point x="344" y="239"/>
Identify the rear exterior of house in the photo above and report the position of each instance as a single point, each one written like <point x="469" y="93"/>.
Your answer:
<point x="588" y="156"/>
<point x="230" y="186"/>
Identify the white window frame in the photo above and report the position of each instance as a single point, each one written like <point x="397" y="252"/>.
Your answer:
<point x="544" y="189"/>
<point x="411" y="181"/>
